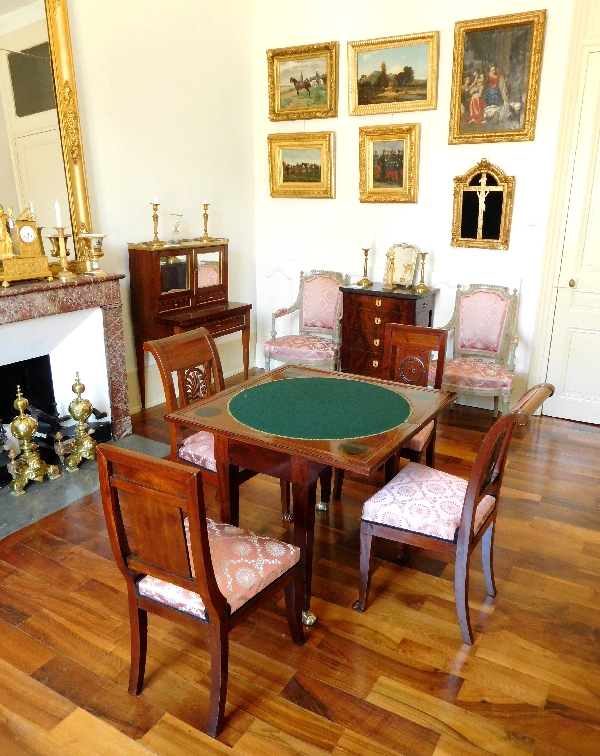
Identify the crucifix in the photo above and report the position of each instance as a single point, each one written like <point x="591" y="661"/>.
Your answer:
<point x="482" y="190"/>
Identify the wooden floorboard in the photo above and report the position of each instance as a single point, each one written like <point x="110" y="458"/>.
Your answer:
<point x="394" y="680"/>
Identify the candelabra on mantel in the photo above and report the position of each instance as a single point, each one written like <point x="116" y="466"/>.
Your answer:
<point x="64" y="274"/>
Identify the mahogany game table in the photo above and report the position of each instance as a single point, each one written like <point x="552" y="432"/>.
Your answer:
<point x="293" y="422"/>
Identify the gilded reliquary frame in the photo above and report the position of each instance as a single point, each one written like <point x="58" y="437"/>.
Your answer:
<point x="301" y="165"/>
<point x="68" y="119"/>
<point x="483" y="205"/>
<point x="496" y="78"/>
<point x="303" y="82"/>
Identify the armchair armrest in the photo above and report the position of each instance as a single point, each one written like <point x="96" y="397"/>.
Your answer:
<point x="513" y="348"/>
<point x="279" y="313"/>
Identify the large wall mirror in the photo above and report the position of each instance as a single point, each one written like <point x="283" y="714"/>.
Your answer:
<point x="41" y="154"/>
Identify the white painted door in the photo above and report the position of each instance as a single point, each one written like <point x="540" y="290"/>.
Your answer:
<point x="574" y="362"/>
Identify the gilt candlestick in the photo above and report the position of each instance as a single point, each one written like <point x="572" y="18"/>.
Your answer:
<point x="421" y="288"/>
<point x="64" y="274"/>
<point x="364" y="281"/>
<point x="205" y="236"/>
<point x="156" y="242"/>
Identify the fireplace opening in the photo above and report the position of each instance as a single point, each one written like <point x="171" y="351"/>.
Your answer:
<point x="34" y="376"/>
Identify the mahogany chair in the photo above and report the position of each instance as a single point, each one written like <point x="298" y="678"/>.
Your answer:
<point x="186" y="568"/>
<point x="193" y="355"/>
<point x="484" y="323"/>
<point x="441" y="512"/>
<point x="407" y="358"/>
<point x="317" y="344"/>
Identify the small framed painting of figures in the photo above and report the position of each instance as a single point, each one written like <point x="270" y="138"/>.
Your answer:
<point x="303" y="82"/>
<point x="301" y="165"/>
<point x="389" y="163"/>
<point x="495" y="78"/>
<point x="392" y="74"/>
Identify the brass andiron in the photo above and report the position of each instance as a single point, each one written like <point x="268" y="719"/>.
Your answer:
<point x="364" y="281"/>
<point x="28" y="466"/>
<point x="84" y="445"/>
<point x="421" y="288"/>
<point x="156" y="242"/>
<point x="64" y="274"/>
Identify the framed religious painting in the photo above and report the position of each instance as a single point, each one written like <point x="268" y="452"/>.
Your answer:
<point x="389" y="163"/>
<point x="301" y="165"/>
<point x="393" y="74"/>
<point x="303" y="82"/>
<point x="496" y="77"/>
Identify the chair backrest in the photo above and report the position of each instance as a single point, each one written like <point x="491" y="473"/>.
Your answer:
<point x="320" y="301"/>
<point x="193" y="355"/>
<point x="484" y="321"/>
<point x="488" y="470"/>
<point x="407" y="354"/>
<point x="145" y="500"/>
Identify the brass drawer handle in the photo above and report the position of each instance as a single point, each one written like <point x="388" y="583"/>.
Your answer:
<point x="378" y="302"/>
<point x="376" y="342"/>
<point x="375" y="363"/>
<point x="377" y="321"/>
<point x="424" y="305"/>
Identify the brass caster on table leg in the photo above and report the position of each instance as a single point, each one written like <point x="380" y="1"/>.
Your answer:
<point x="287" y="517"/>
<point x="322" y="506"/>
<point x="308" y="618"/>
<point x="358" y="606"/>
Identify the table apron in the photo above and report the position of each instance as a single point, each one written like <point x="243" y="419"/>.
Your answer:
<point x="270" y="462"/>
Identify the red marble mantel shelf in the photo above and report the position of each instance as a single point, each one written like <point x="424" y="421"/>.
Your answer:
<point x="31" y="300"/>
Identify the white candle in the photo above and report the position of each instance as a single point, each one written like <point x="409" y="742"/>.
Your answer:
<point x="205" y="202"/>
<point x="155" y="201"/>
<point x="32" y="208"/>
<point x="57" y="211"/>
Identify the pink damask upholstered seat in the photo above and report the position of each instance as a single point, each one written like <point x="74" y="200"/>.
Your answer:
<point x="437" y="511"/>
<point x="483" y="363"/>
<point x="199" y="449"/>
<point x="244" y="564"/>
<point x="318" y="341"/>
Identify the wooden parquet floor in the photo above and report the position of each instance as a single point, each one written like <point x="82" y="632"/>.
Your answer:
<point x="394" y="680"/>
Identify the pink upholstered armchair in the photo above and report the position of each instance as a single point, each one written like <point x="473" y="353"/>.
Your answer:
<point x="318" y="342"/>
<point x="483" y="363"/>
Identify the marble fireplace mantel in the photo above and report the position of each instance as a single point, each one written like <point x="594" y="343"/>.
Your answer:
<point x="32" y="300"/>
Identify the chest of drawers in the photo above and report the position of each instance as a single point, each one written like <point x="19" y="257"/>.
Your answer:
<point x="366" y="313"/>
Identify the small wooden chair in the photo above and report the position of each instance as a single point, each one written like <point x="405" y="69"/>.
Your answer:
<point x="183" y="567"/>
<point x="407" y="359"/>
<point x="441" y="512"/>
<point x="193" y="355"/>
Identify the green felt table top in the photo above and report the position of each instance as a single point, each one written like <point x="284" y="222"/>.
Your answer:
<point x="320" y="408"/>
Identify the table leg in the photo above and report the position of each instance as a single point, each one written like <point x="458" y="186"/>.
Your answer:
<point x="304" y="494"/>
<point x="228" y="483"/>
<point x="246" y="350"/>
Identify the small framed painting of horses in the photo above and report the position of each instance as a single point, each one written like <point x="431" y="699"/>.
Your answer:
<point x="301" y="165"/>
<point x="393" y="74"/>
<point x="389" y="163"/>
<point x="303" y="82"/>
<point x="495" y="78"/>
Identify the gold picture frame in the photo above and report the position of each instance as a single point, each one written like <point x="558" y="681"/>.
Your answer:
<point x="298" y="73"/>
<point x="389" y="163"/>
<point x="413" y="87"/>
<point x="301" y="165"/>
<point x="483" y="205"/>
<point x="495" y="78"/>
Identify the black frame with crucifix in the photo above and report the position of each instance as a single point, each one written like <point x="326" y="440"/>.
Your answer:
<point x="483" y="203"/>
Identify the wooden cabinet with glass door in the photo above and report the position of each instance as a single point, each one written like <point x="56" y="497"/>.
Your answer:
<point x="177" y="287"/>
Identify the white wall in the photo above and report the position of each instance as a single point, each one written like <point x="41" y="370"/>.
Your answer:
<point x="294" y="234"/>
<point x="165" y="97"/>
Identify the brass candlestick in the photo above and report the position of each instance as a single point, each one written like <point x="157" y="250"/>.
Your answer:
<point x="64" y="274"/>
<point x="421" y="288"/>
<point x="95" y="253"/>
<point x="84" y="445"/>
<point x="205" y="236"/>
<point x="156" y="242"/>
<point x="28" y="466"/>
<point x="364" y="281"/>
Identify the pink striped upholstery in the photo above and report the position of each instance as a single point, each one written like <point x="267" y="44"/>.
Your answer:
<point x="320" y="302"/>
<point x="482" y="319"/>
<point x="244" y="564"/>
<point x="423" y="500"/>
<point x="471" y="373"/>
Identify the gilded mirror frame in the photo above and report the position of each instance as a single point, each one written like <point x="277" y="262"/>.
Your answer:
<point x="63" y="74"/>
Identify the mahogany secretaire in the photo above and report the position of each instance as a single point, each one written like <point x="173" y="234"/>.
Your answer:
<point x="366" y="313"/>
<point x="177" y="287"/>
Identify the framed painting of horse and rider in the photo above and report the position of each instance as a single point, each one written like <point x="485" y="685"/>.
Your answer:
<point x="495" y="78"/>
<point x="303" y="82"/>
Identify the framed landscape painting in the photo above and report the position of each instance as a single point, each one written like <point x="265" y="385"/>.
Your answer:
<point x="393" y="74"/>
<point x="301" y="165"/>
<point x="303" y="82"/>
<point x="389" y="163"/>
<point x="495" y="78"/>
